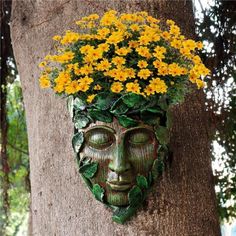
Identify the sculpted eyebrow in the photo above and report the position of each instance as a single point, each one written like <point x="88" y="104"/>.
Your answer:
<point x="97" y="127"/>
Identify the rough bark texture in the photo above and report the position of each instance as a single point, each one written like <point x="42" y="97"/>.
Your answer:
<point x="182" y="204"/>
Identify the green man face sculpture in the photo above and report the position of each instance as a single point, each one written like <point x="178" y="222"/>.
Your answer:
<point x="122" y="154"/>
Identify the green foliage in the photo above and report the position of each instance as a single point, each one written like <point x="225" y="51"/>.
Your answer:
<point x="98" y="192"/>
<point x="218" y="30"/>
<point x="77" y="141"/>
<point x="89" y="170"/>
<point x="142" y="182"/>
<point x="135" y="196"/>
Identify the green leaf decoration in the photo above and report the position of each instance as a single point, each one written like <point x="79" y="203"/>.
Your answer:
<point x="126" y="122"/>
<point x="155" y="110"/>
<point x="142" y="182"/>
<point x="121" y="215"/>
<point x="100" y="115"/>
<point x="162" y="102"/>
<point x="119" y="107"/>
<point x="98" y="192"/>
<point x="89" y="170"/>
<point x="135" y="196"/>
<point x="70" y="101"/>
<point x="150" y="118"/>
<point x="157" y="168"/>
<point x="133" y="100"/>
<point x="80" y="121"/>
<point x="162" y="134"/>
<point x="77" y="141"/>
<point x="169" y="119"/>
<point x="104" y="101"/>
<point x="79" y="104"/>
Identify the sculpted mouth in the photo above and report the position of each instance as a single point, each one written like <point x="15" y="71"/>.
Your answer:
<point x="119" y="185"/>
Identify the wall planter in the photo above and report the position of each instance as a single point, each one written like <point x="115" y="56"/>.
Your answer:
<point x="120" y="77"/>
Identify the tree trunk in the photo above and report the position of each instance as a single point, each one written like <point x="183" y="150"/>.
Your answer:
<point x="183" y="203"/>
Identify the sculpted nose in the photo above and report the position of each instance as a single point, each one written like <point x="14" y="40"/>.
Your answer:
<point x="119" y="162"/>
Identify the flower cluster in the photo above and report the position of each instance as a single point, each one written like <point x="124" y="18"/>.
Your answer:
<point x="120" y="54"/>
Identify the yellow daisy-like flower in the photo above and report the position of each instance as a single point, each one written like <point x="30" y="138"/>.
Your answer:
<point x="142" y="64"/>
<point x="90" y="98"/>
<point x="144" y="73"/>
<point x="118" y="61"/>
<point x="44" y="81"/>
<point x="133" y="88"/>
<point x="97" y="87"/>
<point x="116" y="87"/>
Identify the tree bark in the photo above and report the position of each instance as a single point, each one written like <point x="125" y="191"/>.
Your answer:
<point x="182" y="203"/>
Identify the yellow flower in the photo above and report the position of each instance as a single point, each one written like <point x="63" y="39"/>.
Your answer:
<point x="116" y="87"/>
<point x="118" y="61"/>
<point x="63" y="58"/>
<point x="176" y="43"/>
<point x="86" y="80"/>
<point x="133" y="44"/>
<point x="42" y="64"/>
<point x="142" y="64"/>
<point x="104" y="47"/>
<point x="158" y="85"/>
<point x="57" y="38"/>
<point x="123" y="51"/>
<point x="59" y="88"/>
<point x="70" y="37"/>
<point x="103" y="65"/>
<point x="144" y="40"/>
<point x="149" y="90"/>
<point x="86" y="48"/>
<point x="90" y="98"/>
<point x="130" y="73"/>
<point x="83" y="87"/>
<point x="134" y="27"/>
<point x="44" y="81"/>
<point x="86" y="70"/>
<point x="72" y="87"/>
<point x="103" y="32"/>
<point x="133" y="88"/>
<point x="115" y="37"/>
<point x="189" y="44"/>
<point x="97" y="87"/>
<point x="143" y="51"/>
<point x="144" y="73"/>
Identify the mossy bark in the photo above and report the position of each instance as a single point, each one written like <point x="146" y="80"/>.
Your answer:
<point x="182" y="204"/>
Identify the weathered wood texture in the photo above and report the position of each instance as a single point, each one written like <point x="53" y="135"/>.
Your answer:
<point x="182" y="204"/>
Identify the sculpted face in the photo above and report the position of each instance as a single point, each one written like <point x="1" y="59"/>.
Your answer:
<point x="122" y="154"/>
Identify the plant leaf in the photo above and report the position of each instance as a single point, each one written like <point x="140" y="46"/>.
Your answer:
<point x="80" y="121"/>
<point x="162" y="134"/>
<point x="79" y="104"/>
<point x="98" y="192"/>
<point x="104" y="116"/>
<point x="119" y="107"/>
<point x="157" y="168"/>
<point x="135" y="196"/>
<point x="123" y="214"/>
<point x="77" y="141"/>
<point x="104" y="101"/>
<point x="133" y="100"/>
<point x="126" y="122"/>
<point x="89" y="170"/>
<point x="163" y="103"/>
<point x="142" y="182"/>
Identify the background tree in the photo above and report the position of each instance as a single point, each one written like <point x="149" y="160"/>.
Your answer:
<point x="217" y="29"/>
<point x="183" y="203"/>
<point x="14" y="174"/>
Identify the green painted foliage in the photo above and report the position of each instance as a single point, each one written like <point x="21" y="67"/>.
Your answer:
<point x="98" y="192"/>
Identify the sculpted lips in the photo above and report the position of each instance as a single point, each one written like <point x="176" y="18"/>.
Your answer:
<point x="119" y="185"/>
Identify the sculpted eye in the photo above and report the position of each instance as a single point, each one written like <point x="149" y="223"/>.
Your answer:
<point x="140" y="137"/>
<point x="99" y="138"/>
